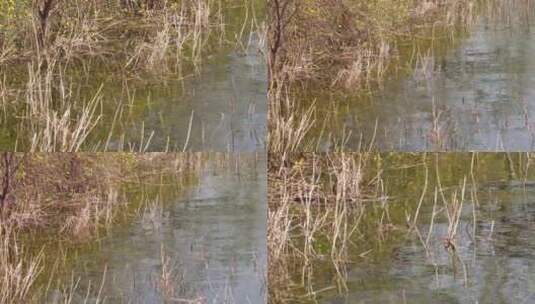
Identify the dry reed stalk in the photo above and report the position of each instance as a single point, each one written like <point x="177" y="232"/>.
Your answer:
<point x="453" y="212"/>
<point x="318" y="202"/>
<point x="18" y="271"/>
<point x="288" y="125"/>
<point x="54" y="120"/>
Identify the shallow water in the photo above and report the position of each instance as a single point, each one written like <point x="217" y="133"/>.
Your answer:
<point x="496" y="266"/>
<point x="214" y="234"/>
<point x="226" y="103"/>
<point x="493" y="265"/>
<point x="476" y="97"/>
<point x="221" y="106"/>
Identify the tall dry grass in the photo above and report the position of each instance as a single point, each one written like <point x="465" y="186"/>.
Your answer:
<point x="329" y="211"/>
<point x="316" y="203"/>
<point x="18" y="271"/>
<point x="353" y="42"/>
<point x="71" y="194"/>
<point x="137" y="36"/>
<point x="54" y="119"/>
<point x="51" y="51"/>
<point x="353" y="48"/>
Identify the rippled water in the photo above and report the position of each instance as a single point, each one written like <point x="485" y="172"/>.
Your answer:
<point x="494" y="267"/>
<point x="476" y="97"/>
<point x="214" y="235"/>
<point x="494" y="256"/>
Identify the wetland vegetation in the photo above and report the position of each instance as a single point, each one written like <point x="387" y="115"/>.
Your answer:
<point x="400" y="75"/>
<point x="133" y="75"/>
<point x="401" y="228"/>
<point x="132" y="228"/>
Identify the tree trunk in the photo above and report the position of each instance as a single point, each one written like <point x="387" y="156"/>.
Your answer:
<point x="43" y="11"/>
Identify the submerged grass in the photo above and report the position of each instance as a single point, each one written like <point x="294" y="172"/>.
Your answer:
<point x="51" y="51"/>
<point x="52" y="204"/>
<point x="330" y="211"/>
<point x="353" y="48"/>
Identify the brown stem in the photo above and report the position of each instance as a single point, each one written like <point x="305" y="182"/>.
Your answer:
<point x="44" y="13"/>
<point x="280" y="18"/>
<point x="10" y="166"/>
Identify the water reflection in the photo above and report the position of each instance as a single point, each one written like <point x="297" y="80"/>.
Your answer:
<point x="477" y="97"/>
<point x="223" y="109"/>
<point x="214" y="237"/>
<point x="495" y="266"/>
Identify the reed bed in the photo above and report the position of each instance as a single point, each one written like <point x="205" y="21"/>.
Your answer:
<point x="315" y="203"/>
<point x="353" y="41"/>
<point x="71" y="199"/>
<point x="53" y="51"/>
<point x="132" y="33"/>
<point x="72" y="194"/>
<point x="328" y="212"/>
<point x="353" y="49"/>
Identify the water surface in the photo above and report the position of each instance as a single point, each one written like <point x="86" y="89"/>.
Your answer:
<point x="478" y="96"/>
<point x="495" y="266"/>
<point x="494" y="256"/>
<point x="220" y="105"/>
<point x="222" y="109"/>
<point x="214" y="235"/>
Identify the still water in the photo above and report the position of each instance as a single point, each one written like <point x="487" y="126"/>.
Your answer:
<point x="220" y="105"/>
<point x="477" y="96"/>
<point x="494" y="256"/>
<point x="495" y="266"/>
<point x="222" y="109"/>
<point x="213" y="234"/>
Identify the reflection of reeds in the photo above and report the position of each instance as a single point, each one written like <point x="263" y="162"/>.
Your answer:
<point x="328" y="211"/>
<point x="315" y="210"/>
<point x="168" y="282"/>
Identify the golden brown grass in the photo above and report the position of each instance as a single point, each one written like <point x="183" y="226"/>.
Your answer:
<point x="352" y="42"/>
<point x="353" y="47"/>
<point x="141" y="36"/>
<point x="18" y="271"/>
<point x="329" y="211"/>
<point x="315" y="204"/>
<point x="51" y="50"/>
